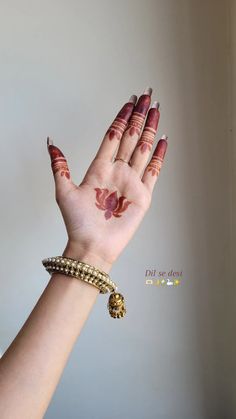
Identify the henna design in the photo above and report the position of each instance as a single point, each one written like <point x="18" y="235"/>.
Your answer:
<point x="158" y="156"/>
<point x="147" y="139"/>
<point x="110" y="203"/>
<point x="119" y="124"/>
<point x="58" y="160"/>
<point x="137" y="119"/>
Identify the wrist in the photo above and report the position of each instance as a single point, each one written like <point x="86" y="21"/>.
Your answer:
<point x="77" y="252"/>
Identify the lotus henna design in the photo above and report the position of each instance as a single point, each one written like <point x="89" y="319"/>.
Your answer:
<point x="110" y="203"/>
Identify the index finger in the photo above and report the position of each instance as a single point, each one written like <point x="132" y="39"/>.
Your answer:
<point x="114" y="133"/>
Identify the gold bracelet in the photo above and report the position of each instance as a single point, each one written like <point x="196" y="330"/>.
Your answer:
<point x="92" y="275"/>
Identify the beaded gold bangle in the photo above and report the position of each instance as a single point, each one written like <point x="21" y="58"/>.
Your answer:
<point x="92" y="275"/>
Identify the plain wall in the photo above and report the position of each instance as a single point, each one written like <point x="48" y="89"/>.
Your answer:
<point x="231" y="302"/>
<point x="66" y="69"/>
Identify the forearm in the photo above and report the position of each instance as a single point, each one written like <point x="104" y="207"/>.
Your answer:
<point x="32" y="365"/>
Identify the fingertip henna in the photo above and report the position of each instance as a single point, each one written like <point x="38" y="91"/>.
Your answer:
<point x="153" y="119"/>
<point x="161" y="148"/>
<point x="143" y="104"/>
<point x="158" y="157"/>
<point x="138" y="116"/>
<point x="146" y="141"/>
<point x="119" y="124"/>
<point x="126" y="111"/>
<point x="58" y="160"/>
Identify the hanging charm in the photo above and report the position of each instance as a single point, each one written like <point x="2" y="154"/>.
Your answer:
<point x="116" y="305"/>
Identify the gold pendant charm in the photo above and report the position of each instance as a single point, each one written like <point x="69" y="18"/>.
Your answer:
<point x="116" y="305"/>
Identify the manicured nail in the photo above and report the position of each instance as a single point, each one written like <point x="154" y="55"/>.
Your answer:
<point x="155" y="105"/>
<point x="164" y="137"/>
<point x="49" y="141"/>
<point x="133" y="99"/>
<point x="147" y="91"/>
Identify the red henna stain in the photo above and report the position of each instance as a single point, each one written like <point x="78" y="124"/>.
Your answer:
<point x="119" y="124"/>
<point x="126" y="111"/>
<point x="144" y="146"/>
<point x="160" y="149"/>
<point x="143" y="104"/>
<point x="55" y="152"/>
<point x="153" y="118"/>
<point x="58" y="161"/>
<point x="135" y="125"/>
<point x="110" y="203"/>
<point x="112" y="134"/>
<point x="146" y="141"/>
<point x="133" y="131"/>
<point x="138" y="116"/>
<point x="157" y="159"/>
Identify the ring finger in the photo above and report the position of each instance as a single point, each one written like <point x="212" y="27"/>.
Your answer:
<point x="144" y="145"/>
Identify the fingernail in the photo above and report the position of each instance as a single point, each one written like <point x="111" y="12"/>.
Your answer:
<point x="49" y="141"/>
<point x="147" y="91"/>
<point x="133" y="99"/>
<point x="155" y="105"/>
<point x="164" y="137"/>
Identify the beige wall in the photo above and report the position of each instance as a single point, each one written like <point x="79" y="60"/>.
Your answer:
<point x="231" y="342"/>
<point x="66" y="69"/>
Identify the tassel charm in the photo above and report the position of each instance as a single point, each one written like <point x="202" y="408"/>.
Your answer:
<point x="89" y="273"/>
<point x="116" y="305"/>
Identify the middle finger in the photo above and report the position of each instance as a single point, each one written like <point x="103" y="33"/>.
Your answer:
<point x="134" y="127"/>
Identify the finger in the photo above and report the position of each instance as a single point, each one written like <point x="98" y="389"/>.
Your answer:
<point x="134" y="127"/>
<point x="59" y="166"/>
<point x="144" y="145"/>
<point x="114" y="133"/>
<point x="153" y="168"/>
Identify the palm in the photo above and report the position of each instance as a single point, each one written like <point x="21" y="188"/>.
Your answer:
<point x="87" y="223"/>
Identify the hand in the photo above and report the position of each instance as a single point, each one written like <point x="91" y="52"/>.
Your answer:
<point x="103" y="212"/>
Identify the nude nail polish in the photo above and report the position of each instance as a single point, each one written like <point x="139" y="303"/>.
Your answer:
<point x="133" y="99"/>
<point x="155" y="104"/>
<point x="49" y="141"/>
<point x="147" y="91"/>
<point x="164" y="137"/>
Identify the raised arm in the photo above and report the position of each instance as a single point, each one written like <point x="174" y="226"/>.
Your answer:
<point x="100" y="215"/>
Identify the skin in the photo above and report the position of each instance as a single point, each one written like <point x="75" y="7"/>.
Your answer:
<point x="119" y="124"/>
<point x="99" y="225"/>
<point x="149" y="132"/>
<point x="58" y="161"/>
<point x="156" y="162"/>
<point x="110" y="203"/>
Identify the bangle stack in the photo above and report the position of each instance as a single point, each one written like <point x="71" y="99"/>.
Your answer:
<point x="92" y="275"/>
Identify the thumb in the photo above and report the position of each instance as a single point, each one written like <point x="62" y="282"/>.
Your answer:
<point x="59" y="167"/>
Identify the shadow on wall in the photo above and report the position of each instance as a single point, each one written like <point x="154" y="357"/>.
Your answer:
<point x="206" y="180"/>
